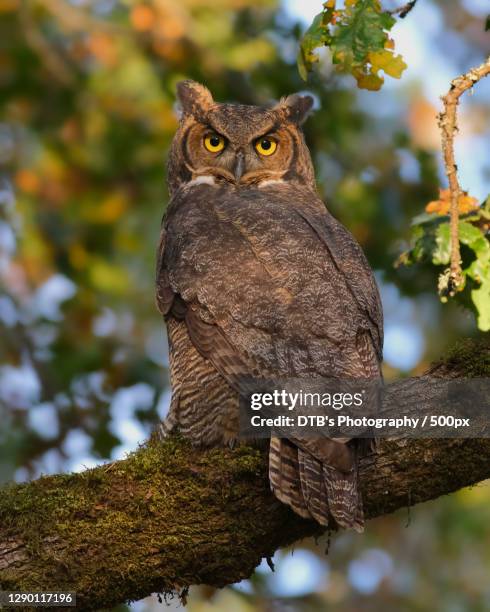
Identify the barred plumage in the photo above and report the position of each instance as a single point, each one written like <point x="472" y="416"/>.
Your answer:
<point x="256" y="278"/>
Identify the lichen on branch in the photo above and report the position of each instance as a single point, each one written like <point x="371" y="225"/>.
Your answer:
<point x="448" y="127"/>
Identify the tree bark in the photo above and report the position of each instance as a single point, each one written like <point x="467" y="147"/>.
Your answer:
<point x="170" y="516"/>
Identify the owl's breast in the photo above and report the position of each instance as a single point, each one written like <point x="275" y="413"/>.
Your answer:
<point x="250" y="253"/>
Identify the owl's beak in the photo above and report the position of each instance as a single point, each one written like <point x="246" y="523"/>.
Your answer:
<point x="239" y="166"/>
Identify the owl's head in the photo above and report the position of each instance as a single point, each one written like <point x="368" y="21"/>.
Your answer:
<point x="238" y="144"/>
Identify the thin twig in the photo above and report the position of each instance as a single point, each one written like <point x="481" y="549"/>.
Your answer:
<point x="403" y="11"/>
<point x="448" y="127"/>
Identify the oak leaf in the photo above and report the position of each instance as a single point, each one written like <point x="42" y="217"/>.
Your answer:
<point x="442" y="206"/>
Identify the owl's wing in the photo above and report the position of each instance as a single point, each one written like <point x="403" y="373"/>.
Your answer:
<point x="164" y="293"/>
<point x="208" y="338"/>
<point x="350" y="259"/>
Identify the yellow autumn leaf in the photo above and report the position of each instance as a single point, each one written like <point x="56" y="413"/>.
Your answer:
<point x="466" y="203"/>
<point x="372" y="82"/>
<point x="385" y="60"/>
<point x="442" y="206"/>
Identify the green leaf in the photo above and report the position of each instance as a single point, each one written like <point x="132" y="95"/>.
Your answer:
<point x="426" y="218"/>
<point x="431" y="241"/>
<point x="358" y="37"/>
<point x="315" y="36"/>
<point x="361" y="45"/>
<point x="479" y="271"/>
<point x="362" y="29"/>
<point x="469" y="234"/>
<point x="473" y="237"/>
<point x="442" y="253"/>
<point x="481" y="300"/>
<point x="487" y="23"/>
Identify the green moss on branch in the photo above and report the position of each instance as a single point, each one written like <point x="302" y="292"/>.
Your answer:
<point x="170" y="516"/>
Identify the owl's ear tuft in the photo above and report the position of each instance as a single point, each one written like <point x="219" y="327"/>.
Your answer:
<point x="296" y="107"/>
<point x="194" y="98"/>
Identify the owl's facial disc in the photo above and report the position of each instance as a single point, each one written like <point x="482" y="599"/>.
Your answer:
<point x="240" y="145"/>
<point x="239" y="166"/>
<point x="238" y="153"/>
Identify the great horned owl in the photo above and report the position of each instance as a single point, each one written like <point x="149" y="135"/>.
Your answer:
<point x="255" y="277"/>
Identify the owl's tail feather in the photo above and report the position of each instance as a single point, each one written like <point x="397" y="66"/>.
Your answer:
<point x="284" y="475"/>
<point x="344" y="498"/>
<point x="315" y="489"/>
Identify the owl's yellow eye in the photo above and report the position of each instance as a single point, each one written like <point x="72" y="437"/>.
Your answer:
<point x="214" y="143"/>
<point x="266" y="146"/>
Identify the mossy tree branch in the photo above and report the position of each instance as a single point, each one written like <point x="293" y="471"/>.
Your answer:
<point x="170" y="516"/>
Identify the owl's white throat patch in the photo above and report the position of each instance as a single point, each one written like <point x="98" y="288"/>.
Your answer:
<point x="268" y="182"/>
<point x="205" y="179"/>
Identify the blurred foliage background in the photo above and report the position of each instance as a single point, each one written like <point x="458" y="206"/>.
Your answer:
<point x="86" y="118"/>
